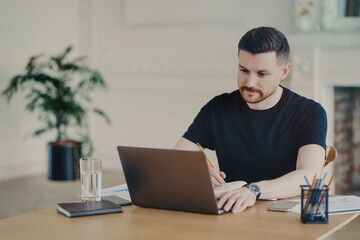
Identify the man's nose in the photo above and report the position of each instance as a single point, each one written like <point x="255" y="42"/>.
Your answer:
<point x="250" y="80"/>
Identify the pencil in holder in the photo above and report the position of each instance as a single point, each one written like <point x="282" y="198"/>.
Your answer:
<point x="314" y="205"/>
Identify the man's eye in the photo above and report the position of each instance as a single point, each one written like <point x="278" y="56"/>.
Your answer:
<point x="262" y="74"/>
<point x="243" y="70"/>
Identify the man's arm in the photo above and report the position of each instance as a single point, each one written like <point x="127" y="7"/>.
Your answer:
<point x="184" y="144"/>
<point x="310" y="161"/>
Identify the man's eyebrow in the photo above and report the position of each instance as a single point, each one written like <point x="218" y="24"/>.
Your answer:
<point x="259" y="71"/>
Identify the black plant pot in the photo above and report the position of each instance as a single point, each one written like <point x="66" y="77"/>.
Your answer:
<point x="64" y="160"/>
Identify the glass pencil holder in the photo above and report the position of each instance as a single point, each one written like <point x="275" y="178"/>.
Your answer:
<point x="314" y="205"/>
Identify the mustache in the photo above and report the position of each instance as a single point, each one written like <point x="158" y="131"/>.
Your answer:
<point x="249" y="89"/>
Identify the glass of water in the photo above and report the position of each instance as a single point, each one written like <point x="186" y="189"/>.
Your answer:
<point x="90" y="175"/>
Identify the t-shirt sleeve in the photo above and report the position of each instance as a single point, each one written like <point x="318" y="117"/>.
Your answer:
<point x="200" y="129"/>
<point x="314" y="127"/>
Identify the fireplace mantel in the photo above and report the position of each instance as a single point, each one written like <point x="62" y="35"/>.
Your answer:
<point x="324" y="58"/>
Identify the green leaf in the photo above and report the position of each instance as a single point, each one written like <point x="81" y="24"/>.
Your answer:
<point x="97" y="79"/>
<point x="12" y="87"/>
<point x="40" y="131"/>
<point x="102" y="114"/>
<point x="63" y="55"/>
<point x="79" y="59"/>
<point x="31" y="63"/>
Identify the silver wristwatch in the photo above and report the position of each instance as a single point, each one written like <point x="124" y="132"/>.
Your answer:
<point x="254" y="188"/>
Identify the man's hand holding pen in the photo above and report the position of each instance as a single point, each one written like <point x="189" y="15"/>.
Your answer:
<point x="217" y="178"/>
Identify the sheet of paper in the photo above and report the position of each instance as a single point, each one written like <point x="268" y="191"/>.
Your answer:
<point x="338" y="205"/>
<point x="119" y="190"/>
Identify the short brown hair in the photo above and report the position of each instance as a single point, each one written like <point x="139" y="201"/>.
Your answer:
<point x="265" y="39"/>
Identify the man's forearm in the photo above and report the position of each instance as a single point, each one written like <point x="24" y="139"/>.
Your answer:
<point x="285" y="186"/>
<point x="310" y="162"/>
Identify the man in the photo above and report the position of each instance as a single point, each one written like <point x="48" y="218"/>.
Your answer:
<point x="262" y="133"/>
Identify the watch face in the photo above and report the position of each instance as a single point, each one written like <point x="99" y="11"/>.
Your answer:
<point x="255" y="189"/>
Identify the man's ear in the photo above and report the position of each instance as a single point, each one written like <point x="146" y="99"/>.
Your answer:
<point x="285" y="70"/>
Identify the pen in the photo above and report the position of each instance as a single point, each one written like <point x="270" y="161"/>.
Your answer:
<point x="324" y="176"/>
<point x="307" y="181"/>
<point x="327" y="188"/>
<point x="209" y="161"/>
<point x="309" y="194"/>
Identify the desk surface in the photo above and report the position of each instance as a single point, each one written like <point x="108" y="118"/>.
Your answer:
<point x="145" y="223"/>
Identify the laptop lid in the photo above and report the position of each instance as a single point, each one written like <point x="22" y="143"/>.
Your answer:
<point x="168" y="179"/>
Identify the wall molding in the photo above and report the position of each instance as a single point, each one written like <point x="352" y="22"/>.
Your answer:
<point x="165" y="69"/>
<point x="315" y="39"/>
<point x="313" y="57"/>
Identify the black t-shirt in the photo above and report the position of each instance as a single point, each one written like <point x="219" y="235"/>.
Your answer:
<point x="255" y="145"/>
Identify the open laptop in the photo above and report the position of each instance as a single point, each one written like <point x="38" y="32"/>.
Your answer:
<point x="168" y="179"/>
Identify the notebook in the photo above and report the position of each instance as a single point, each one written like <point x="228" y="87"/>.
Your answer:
<point x="168" y="179"/>
<point x="78" y="209"/>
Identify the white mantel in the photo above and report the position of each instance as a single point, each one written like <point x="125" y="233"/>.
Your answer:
<point x="322" y="60"/>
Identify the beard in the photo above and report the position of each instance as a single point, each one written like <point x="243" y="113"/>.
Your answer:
<point x="253" y="95"/>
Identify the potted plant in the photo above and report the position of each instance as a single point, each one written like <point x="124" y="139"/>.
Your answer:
<point x="58" y="89"/>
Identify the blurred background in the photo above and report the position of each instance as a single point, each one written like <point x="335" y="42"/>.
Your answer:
<point x="164" y="59"/>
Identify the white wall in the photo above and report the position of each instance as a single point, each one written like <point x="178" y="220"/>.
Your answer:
<point x="28" y="28"/>
<point x="162" y="60"/>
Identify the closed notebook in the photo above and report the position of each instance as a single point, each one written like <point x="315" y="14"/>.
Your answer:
<point x="78" y="209"/>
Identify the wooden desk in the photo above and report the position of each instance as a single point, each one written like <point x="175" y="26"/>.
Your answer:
<point x="145" y="223"/>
